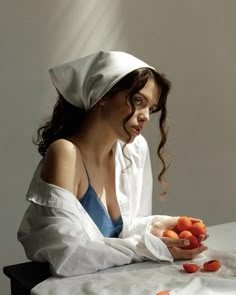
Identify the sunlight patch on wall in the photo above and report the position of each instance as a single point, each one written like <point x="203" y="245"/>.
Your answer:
<point x="77" y="28"/>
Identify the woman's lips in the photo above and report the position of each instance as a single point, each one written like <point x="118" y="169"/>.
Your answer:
<point x="136" y="129"/>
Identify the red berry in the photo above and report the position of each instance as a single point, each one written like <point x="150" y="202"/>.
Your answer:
<point x="170" y="234"/>
<point x="163" y="293"/>
<point x="212" y="265"/>
<point x="184" y="234"/>
<point x="191" y="267"/>
<point x="193" y="243"/>
<point x="198" y="229"/>
<point x="183" y="223"/>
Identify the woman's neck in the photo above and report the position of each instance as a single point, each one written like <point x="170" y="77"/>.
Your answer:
<point x="96" y="142"/>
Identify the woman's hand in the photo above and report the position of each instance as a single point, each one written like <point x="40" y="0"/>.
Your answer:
<point x="177" y="253"/>
<point x="174" y="245"/>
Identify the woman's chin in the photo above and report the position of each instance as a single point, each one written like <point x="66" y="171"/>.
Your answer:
<point x="127" y="139"/>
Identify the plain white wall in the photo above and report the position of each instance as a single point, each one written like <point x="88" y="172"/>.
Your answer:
<point x="193" y="42"/>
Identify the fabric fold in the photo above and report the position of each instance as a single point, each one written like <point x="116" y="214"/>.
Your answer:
<point x="56" y="228"/>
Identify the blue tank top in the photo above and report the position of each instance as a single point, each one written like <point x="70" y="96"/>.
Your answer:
<point x="96" y="210"/>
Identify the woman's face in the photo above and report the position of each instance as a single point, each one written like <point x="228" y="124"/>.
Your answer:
<point x="118" y="108"/>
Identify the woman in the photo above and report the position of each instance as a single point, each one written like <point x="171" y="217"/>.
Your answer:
<point x="90" y="197"/>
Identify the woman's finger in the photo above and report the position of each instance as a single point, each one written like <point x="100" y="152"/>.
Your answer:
<point x="179" y="253"/>
<point x="175" y="242"/>
<point x="196" y="220"/>
<point x="203" y="238"/>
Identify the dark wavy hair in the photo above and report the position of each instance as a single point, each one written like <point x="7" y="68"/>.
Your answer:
<point x="66" y="119"/>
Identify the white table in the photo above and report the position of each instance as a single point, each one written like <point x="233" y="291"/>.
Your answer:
<point x="149" y="277"/>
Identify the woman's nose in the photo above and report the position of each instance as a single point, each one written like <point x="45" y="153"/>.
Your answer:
<point x="144" y="115"/>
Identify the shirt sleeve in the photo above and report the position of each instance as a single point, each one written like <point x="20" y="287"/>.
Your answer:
<point x="56" y="229"/>
<point x="51" y="235"/>
<point x="142" y="218"/>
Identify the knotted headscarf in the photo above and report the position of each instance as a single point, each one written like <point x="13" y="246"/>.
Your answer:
<point x="85" y="81"/>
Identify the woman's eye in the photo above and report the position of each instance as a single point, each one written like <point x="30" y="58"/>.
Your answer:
<point x="137" y="100"/>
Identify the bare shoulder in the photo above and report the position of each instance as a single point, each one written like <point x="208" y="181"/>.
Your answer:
<point x="62" y="148"/>
<point x="61" y="163"/>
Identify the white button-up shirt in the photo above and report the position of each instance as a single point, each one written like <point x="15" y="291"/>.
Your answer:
<point x="56" y="228"/>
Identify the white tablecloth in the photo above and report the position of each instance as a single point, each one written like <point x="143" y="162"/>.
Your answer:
<point x="149" y="277"/>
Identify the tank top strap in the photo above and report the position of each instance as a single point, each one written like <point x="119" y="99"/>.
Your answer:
<point x="86" y="171"/>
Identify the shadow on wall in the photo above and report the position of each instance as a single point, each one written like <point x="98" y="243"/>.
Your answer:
<point x="194" y="43"/>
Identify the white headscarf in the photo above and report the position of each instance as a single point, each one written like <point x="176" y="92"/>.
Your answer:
<point x="85" y="81"/>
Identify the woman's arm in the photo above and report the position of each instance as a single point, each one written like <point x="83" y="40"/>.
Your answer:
<point x="152" y="226"/>
<point x="58" y="237"/>
<point x="62" y="165"/>
<point x="57" y="229"/>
